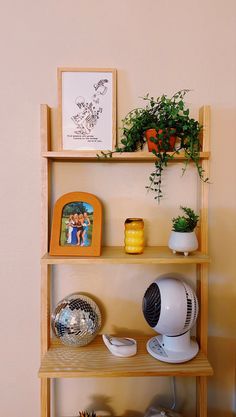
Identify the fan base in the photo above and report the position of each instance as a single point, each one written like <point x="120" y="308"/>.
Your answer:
<point x="156" y="348"/>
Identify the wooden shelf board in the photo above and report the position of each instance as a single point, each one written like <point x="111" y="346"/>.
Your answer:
<point x="95" y="360"/>
<point x="123" y="156"/>
<point x="116" y="255"/>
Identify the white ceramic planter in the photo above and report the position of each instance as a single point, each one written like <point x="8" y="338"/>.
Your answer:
<point x="183" y="242"/>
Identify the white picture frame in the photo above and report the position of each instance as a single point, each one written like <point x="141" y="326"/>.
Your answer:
<point x="86" y="109"/>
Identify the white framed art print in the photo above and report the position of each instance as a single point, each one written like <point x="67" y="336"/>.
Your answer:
<point x="87" y="109"/>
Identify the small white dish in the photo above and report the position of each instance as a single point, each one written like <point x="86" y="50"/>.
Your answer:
<point x="120" y="346"/>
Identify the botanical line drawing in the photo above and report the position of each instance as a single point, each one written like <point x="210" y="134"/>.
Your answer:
<point x="89" y="111"/>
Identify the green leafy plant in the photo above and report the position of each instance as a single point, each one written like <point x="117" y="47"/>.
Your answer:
<point x="187" y="223"/>
<point x="167" y="116"/>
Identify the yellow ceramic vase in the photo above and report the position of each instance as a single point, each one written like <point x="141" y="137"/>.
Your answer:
<point x="134" y="235"/>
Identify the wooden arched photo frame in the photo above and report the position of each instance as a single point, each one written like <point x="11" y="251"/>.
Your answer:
<point x="76" y="225"/>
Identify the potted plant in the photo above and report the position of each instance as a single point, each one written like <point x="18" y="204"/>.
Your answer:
<point x="183" y="237"/>
<point x="166" y="125"/>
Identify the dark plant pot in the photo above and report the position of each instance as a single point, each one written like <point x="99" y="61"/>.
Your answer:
<point x="152" y="133"/>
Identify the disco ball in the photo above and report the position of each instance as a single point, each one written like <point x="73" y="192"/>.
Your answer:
<point x="76" y="320"/>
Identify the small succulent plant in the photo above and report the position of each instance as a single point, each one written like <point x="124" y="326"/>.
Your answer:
<point x="87" y="414"/>
<point x="185" y="223"/>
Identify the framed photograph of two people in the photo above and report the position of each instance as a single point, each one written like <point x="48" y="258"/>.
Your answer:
<point x="86" y="109"/>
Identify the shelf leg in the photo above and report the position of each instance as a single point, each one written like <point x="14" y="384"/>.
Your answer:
<point x="202" y="396"/>
<point x="202" y="270"/>
<point x="45" y="270"/>
<point x="45" y="336"/>
<point x="45" y="397"/>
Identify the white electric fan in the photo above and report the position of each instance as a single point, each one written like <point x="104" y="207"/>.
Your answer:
<point x="170" y="307"/>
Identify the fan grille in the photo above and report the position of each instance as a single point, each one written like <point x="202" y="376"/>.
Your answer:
<point x="152" y="304"/>
<point x="192" y="307"/>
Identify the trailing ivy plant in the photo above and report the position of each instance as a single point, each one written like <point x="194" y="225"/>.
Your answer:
<point x="167" y="116"/>
<point x="187" y="223"/>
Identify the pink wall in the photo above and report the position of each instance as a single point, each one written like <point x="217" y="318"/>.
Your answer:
<point x="157" y="47"/>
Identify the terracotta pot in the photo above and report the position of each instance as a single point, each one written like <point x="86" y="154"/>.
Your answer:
<point x="152" y="133"/>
